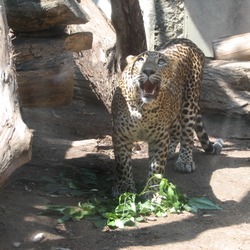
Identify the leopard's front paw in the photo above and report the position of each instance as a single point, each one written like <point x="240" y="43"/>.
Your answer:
<point x="184" y="167"/>
<point x="123" y="186"/>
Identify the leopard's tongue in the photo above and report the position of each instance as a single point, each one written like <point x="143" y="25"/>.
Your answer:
<point x="149" y="88"/>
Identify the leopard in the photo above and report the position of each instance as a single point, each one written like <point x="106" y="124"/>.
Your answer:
<point x="156" y="100"/>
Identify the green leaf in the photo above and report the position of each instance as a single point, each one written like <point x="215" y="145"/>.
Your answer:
<point x="111" y="223"/>
<point x="145" y="208"/>
<point x="77" y="193"/>
<point x="133" y="207"/>
<point x="158" y="176"/>
<point x="161" y="214"/>
<point x="202" y="203"/>
<point x="140" y="219"/>
<point x="73" y="185"/>
<point x="130" y="221"/>
<point x="109" y="215"/>
<point x="163" y="186"/>
<point x="78" y="215"/>
<point x="52" y="188"/>
<point x="100" y="223"/>
<point x="47" y="179"/>
<point x="65" y="218"/>
<point x="187" y="208"/>
<point x="54" y="210"/>
<point x="171" y="194"/>
<point x="70" y="210"/>
<point x="119" y="223"/>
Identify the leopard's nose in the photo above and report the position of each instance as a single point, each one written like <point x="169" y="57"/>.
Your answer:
<point x="148" y="72"/>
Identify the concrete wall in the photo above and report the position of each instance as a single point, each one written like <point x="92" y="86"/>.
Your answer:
<point x="207" y="20"/>
<point x="105" y="6"/>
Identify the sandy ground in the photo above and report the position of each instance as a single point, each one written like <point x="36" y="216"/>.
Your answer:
<point x="79" y="136"/>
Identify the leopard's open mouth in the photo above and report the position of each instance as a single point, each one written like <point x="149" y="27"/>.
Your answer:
<point x="149" y="89"/>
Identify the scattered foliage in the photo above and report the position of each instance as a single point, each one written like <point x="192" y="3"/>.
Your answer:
<point x="124" y="211"/>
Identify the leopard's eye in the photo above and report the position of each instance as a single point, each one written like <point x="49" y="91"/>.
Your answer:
<point x="140" y="59"/>
<point x="161" y="62"/>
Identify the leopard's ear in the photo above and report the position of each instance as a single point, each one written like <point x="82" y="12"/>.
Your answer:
<point x="130" y="59"/>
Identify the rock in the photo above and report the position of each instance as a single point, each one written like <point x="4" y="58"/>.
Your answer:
<point x="38" y="237"/>
<point x="16" y="244"/>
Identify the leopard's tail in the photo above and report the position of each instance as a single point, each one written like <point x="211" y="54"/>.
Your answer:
<point x="207" y="145"/>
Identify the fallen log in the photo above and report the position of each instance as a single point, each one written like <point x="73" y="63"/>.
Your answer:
<point x="33" y="15"/>
<point x="15" y="137"/>
<point x="46" y="68"/>
<point x="232" y="47"/>
<point x="45" y="72"/>
<point x="78" y="42"/>
<point x="225" y="88"/>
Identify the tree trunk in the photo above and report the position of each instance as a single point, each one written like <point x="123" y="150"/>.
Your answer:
<point x="130" y="34"/>
<point x="15" y="137"/>
<point x="103" y="64"/>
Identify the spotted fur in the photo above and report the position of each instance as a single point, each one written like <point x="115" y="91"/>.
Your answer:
<point x="157" y="101"/>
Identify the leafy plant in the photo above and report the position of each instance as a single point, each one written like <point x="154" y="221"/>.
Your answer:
<point x="131" y="208"/>
<point x="83" y="182"/>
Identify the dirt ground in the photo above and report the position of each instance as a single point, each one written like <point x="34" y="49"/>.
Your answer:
<point x="78" y="136"/>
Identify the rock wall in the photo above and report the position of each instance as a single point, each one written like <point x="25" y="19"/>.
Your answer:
<point x="164" y="20"/>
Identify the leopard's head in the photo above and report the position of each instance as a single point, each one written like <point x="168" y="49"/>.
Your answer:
<point x="146" y="73"/>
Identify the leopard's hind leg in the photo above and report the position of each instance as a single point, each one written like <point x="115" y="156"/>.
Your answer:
<point x="207" y="145"/>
